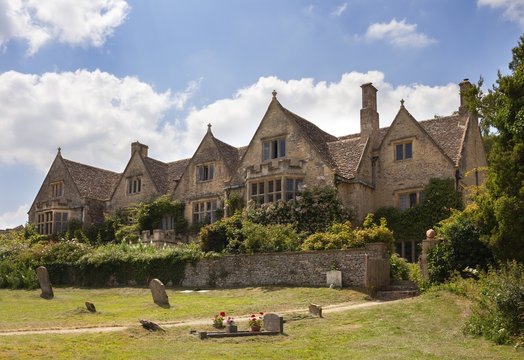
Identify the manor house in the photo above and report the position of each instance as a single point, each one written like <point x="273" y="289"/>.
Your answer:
<point x="377" y="167"/>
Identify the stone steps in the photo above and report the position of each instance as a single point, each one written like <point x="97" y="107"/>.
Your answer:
<point x="398" y="290"/>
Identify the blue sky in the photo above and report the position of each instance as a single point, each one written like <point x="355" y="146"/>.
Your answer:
<point x="91" y="76"/>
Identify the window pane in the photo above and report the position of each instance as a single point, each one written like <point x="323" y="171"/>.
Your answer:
<point x="261" y="188"/>
<point x="278" y="185"/>
<point x="408" y="151"/>
<point x="265" y="150"/>
<point x="64" y="216"/>
<point x="298" y="185"/>
<point x="211" y="171"/>
<point x="274" y="149"/>
<point x="289" y="185"/>
<point x="254" y="189"/>
<point x="403" y="202"/>
<point x="412" y="199"/>
<point x="270" y="186"/>
<point x="399" y="152"/>
<point x="282" y="149"/>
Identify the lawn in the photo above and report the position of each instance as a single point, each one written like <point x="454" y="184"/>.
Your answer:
<point x="427" y="327"/>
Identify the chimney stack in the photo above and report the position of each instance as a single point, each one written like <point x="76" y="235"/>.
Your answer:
<point x="141" y="148"/>
<point x="464" y="86"/>
<point x="369" y="123"/>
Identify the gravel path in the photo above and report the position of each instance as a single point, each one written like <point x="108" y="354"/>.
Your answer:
<point x="192" y="322"/>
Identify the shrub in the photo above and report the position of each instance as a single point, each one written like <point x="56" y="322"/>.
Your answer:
<point x="221" y="234"/>
<point x="399" y="268"/>
<point x="371" y="232"/>
<point x="440" y="262"/>
<point x="338" y="236"/>
<point x="268" y="238"/>
<point x="498" y="312"/>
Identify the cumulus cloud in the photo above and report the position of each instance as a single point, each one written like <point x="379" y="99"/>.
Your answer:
<point x="79" y="22"/>
<point x="12" y="219"/>
<point x="398" y="33"/>
<point x="94" y="116"/>
<point x="513" y="9"/>
<point x="340" y="9"/>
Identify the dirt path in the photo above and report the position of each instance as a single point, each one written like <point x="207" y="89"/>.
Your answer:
<point x="192" y="322"/>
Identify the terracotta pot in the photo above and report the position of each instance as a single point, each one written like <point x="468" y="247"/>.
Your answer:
<point x="255" y="328"/>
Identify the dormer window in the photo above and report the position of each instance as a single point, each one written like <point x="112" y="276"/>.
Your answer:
<point x="134" y="184"/>
<point x="274" y="148"/>
<point x="57" y="189"/>
<point x="205" y="172"/>
<point x="404" y="151"/>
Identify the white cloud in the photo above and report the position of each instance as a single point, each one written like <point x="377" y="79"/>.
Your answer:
<point x="12" y="219"/>
<point x="398" y="33"/>
<point x="513" y="9"/>
<point x="340" y="9"/>
<point x="94" y="116"/>
<point x="79" y="22"/>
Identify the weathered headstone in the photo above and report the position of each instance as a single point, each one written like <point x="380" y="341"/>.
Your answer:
<point x="274" y="322"/>
<point x="158" y="291"/>
<point x="334" y="277"/>
<point x="315" y="310"/>
<point x="90" y="307"/>
<point x="45" y="284"/>
<point x="151" y="326"/>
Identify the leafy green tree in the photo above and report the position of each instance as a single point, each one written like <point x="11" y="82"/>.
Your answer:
<point x="502" y="204"/>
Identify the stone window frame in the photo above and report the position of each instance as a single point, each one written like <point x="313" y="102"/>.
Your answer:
<point x="52" y="221"/>
<point x="204" y="211"/>
<point x="57" y="189"/>
<point x="408" y="198"/>
<point x="205" y="172"/>
<point x="275" y="188"/>
<point x="134" y="185"/>
<point x="274" y="148"/>
<point x="403" y="150"/>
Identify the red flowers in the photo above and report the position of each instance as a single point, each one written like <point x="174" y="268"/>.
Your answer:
<point x="223" y="314"/>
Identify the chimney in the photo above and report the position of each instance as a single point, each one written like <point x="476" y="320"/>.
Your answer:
<point x="368" y="114"/>
<point x="141" y="148"/>
<point x="464" y="86"/>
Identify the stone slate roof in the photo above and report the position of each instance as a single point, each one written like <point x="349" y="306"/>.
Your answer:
<point x="159" y="173"/>
<point x="92" y="182"/>
<point x="319" y="138"/>
<point x="176" y="169"/>
<point x="346" y="154"/>
<point x="229" y="153"/>
<point x="448" y="133"/>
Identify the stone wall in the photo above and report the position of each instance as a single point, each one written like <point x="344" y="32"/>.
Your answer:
<point x="294" y="268"/>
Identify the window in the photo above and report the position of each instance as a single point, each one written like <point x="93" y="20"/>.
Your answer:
<point x="50" y="222"/>
<point x="168" y="222"/>
<point x="272" y="149"/>
<point x="134" y="185"/>
<point x="409" y="199"/>
<point x="404" y="151"/>
<point x="57" y="189"/>
<point x="205" y="212"/>
<point x="268" y="191"/>
<point x="205" y="172"/>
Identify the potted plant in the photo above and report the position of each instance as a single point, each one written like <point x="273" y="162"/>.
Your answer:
<point x="255" y="322"/>
<point x="231" y="326"/>
<point x="218" y="321"/>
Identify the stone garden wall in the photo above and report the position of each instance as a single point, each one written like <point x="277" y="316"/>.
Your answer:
<point x="293" y="268"/>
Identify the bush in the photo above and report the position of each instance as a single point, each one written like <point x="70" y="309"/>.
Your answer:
<point x="268" y="238"/>
<point x="498" y="312"/>
<point x="221" y="234"/>
<point x="399" y="268"/>
<point x="371" y="233"/>
<point x="338" y="236"/>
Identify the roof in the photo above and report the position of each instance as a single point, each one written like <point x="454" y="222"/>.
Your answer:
<point x="346" y="154"/>
<point x="92" y="182"/>
<point x="444" y="131"/>
<point x="159" y="173"/>
<point x="229" y="153"/>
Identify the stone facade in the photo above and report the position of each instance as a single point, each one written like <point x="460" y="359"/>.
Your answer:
<point x="374" y="168"/>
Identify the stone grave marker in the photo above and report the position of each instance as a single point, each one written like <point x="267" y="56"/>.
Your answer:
<point x="90" y="307"/>
<point x="315" y="310"/>
<point x="45" y="284"/>
<point x="274" y="322"/>
<point x="158" y="291"/>
<point x="334" y="277"/>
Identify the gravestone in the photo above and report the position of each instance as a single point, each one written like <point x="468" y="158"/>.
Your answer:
<point x="90" y="307"/>
<point x="334" y="277"/>
<point x="45" y="284"/>
<point x="315" y="310"/>
<point x="274" y="322"/>
<point x="158" y="291"/>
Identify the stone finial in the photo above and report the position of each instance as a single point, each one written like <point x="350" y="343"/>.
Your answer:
<point x="274" y="94"/>
<point x="430" y="234"/>
<point x="209" y="127"/>
<point x="401" y="102"/>
<point x="59" y="149"/>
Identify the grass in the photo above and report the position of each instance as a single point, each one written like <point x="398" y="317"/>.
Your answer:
<point x="21" y="309"/>
<point x="428" y="327"/>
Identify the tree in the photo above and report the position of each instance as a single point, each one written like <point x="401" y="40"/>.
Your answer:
<point x="501" y="205"/>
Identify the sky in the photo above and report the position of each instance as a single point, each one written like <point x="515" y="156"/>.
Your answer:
<point x="92" y="76"/>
